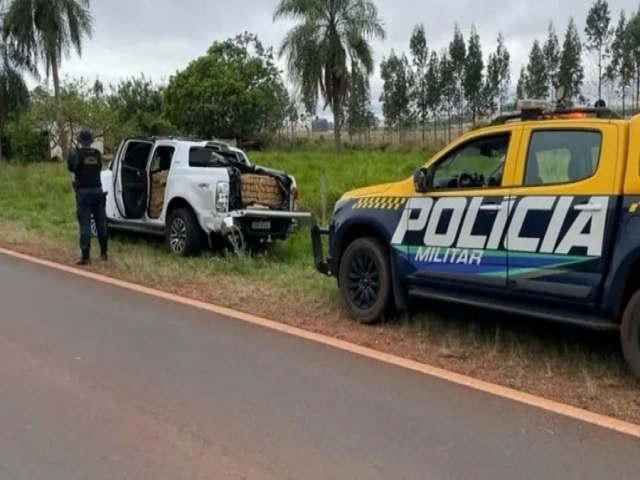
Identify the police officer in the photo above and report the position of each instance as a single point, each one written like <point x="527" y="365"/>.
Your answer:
<point x="85" y="163"/>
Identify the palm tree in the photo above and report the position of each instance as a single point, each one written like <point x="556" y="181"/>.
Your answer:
<point x="14" y="94"/>
<point x="47" y="30"/>
<point x="329" y="42"/>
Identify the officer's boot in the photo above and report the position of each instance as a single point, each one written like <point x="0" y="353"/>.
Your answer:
<point x="85" y="259"/>
<point x="103" y="250"/>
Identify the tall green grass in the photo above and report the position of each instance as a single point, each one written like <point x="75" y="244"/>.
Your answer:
<point x="39" y="197"/>
<point x="353" y="169"/>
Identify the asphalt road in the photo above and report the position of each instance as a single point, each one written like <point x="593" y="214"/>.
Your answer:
<point x="99" y="382"/>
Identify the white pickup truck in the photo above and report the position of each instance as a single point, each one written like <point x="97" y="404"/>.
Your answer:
<point x="193" y="192"/>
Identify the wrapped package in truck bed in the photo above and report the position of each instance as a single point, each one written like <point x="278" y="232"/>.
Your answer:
<point x="257" y="190"/>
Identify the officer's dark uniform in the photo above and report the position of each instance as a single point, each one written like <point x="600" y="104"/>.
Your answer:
<point x="86" y="164"/>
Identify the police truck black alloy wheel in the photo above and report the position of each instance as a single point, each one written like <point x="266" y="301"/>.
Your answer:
<point x="183" y="233"/>
<point x="630" y="334"/>
<point x="364" y="280"/>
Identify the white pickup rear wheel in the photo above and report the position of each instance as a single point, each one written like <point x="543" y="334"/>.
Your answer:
<point x="184" y="236"/>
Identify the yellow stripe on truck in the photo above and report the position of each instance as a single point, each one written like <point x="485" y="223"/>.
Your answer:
<point x="379" y="203"/>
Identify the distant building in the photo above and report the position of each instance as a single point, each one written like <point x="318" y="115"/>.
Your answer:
<point x="319" y="125"/>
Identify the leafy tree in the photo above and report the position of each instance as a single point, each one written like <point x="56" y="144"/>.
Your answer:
<point x="330" y="36"/>
<point x="492" y="83"/>
<point x="82" y="108"/>
<point x="503" y="64"/>
<point x="235" y="90"/>
<point x="24" y="141"/>
<point x="633" y="38"/>
<point x="448" y="87"/>
<point x="294" y="112"/>
<point x="458" y="56"/>
<point x="571" y="72"/>
<point x="139" y="103"/>
<point x="359" y="110"/>
<point x="434" y="90"/>
<point x="396" y="92"/>
<point x="498" y="78"/>
<point x="621" y="69"/>
<point x="98" y="88"/>
<point x="599" y="36"/>
<point x="14" y="95"/>
<point x="309" y="110"/>
<point x="536" y="85"/>
<point x="420" y="54"/>
<point x="552" y="53"/>
<point x="521" y="88"/>
<point x="136" y="94"/>
<point x="48" y="30"/>
<point x="473" y="74"/>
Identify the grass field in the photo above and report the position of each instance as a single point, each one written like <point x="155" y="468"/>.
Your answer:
<point x="354" y="169"/>
<point x="40" y="198"/>
<point x="37" y="216"/>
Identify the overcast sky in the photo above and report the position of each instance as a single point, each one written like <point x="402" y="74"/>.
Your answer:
<point x="159" y="37"/>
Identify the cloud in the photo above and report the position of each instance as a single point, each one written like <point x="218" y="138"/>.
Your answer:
<point x="159" y="37"/>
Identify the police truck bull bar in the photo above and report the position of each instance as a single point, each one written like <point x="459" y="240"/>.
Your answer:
<point x="322" y="265"/>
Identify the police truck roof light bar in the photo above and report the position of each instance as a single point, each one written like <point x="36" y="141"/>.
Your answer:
<point x="532" y="110"/>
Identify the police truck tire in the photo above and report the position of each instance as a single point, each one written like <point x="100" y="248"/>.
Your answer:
<point x="184" y="235"/>
<point x="365" y="281"/>
<point x="630" y="334"/>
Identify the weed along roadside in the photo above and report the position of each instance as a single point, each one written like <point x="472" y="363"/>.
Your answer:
<point x="561" y="363"/>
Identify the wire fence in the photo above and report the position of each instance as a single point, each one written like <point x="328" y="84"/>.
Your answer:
<point x="434" y="134"/>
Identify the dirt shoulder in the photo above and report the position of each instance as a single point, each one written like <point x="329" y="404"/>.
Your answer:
<point x="566" y="365"/>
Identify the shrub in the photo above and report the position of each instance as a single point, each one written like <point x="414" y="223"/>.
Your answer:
<point x="25" y="142"/>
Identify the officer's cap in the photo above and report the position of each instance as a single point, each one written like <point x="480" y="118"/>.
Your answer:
<point x="85" y="137"/>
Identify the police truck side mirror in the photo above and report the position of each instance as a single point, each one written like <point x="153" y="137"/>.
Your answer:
<point x="422" y="179"/>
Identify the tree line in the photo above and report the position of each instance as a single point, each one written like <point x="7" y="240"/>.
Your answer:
<point x="425" y="86"/>
<point x="235" y="89"/>
<point x="459" y="85"/>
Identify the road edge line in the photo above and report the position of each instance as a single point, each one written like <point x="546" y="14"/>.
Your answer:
<point x="576" y="413"/>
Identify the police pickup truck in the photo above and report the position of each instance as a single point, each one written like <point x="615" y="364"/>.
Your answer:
<point x="191" y="190"/>
<point x="537" y="214"/>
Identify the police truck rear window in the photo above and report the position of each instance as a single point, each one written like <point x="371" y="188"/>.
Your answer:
<point x="562" y="156"/>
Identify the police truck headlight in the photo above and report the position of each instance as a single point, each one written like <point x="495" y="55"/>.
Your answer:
<point x="222" y="197"/>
